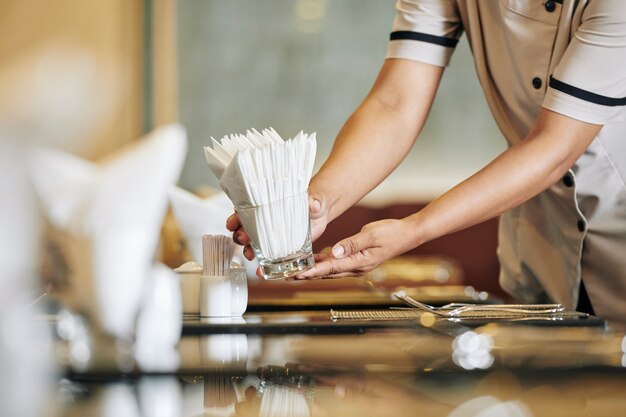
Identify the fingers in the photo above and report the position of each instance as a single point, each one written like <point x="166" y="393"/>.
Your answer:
<point x="248" y="253"/>
<point x="233" y="223"/>
<point x="318" y="257"/>
<point x="352" y="245"/>
<point x="241" y="237"/>
<point x="335" y="268"/>
<point x="348" y="259"/>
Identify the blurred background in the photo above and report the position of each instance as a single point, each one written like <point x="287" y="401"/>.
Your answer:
<point x="306" y="65"/>
<point x="223" y="67"/>
<point x="93" y="78"/>
<point x="90" y="77"/>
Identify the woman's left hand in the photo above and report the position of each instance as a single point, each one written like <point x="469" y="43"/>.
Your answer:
<point x="358" y="254"/>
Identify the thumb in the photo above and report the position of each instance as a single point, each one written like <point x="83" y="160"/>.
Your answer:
<point x="316" y="206"/>
<point x="352" y="245"/>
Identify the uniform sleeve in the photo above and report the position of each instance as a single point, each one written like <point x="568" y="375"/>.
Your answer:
<point x="425" y="30"/>
<point x="589" y="83"/>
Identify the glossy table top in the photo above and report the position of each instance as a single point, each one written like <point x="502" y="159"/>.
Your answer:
<point x="301" y="363"/>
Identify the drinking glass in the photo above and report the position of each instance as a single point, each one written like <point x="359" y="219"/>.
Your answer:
<point x="280" y="234"/>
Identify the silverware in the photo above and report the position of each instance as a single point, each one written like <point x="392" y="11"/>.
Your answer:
<point x="414" y="314"/>
<point x="456" y="310"/>
<point x="376" y="315"/>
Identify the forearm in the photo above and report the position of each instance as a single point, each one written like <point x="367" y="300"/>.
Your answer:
<point x="370" y="145"/>
<point x="378" y="135"/>
<point x="517" y="175"/>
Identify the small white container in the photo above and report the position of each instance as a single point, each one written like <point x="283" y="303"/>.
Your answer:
<point x="238" y="290"/>
<point x="189" y="274"/>
<point x="215" y="296"/>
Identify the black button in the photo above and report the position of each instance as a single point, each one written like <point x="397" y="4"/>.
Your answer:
<point x="568" y="180"/>
<point x="581" y="225"/>
<point x="537" y="83"/>
<point x="550" y="6"/>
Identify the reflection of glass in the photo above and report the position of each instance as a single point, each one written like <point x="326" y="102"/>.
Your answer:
<point x="219" y="395"/>
<point x="285" y="393"/>
<point x="280" y="234"/>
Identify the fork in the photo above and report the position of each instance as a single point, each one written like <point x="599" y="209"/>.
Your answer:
<point x="467" y="309"/>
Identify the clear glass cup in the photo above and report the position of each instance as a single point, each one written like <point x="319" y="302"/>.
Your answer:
<point x="280" y="235"/>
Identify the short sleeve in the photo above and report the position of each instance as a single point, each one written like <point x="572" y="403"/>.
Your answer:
<point x="425" y="30"/>
<point x="589" y="83"/>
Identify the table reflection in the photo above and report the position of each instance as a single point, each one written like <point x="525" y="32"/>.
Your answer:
<point x="237" y="347"/>
<point x="441" y="368"/>
<point x="316" y="392"/>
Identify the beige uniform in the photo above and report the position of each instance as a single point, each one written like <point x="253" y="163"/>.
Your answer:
<point x="570" y="57"/>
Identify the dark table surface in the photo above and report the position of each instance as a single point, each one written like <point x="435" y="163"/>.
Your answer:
<point x="302" y="363"/>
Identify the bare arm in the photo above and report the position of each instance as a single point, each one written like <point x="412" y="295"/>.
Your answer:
<point x="378" y="135"/>
<point x="374" y="140"/>
<point x="553" y="145"/>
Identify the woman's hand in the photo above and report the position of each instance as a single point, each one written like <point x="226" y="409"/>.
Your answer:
<point x="319" y="219"/>
<point x="356" y="255"/>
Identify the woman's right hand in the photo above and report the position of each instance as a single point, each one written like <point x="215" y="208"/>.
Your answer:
<point x="319" y="219"/>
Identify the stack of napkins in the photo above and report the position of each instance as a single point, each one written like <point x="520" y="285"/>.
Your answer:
<point x="105" y="220"/>
<point x="258" y="169"/>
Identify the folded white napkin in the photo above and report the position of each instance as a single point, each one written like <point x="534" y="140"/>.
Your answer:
<point x="261" y="170"/>
<point x="105" y="219"/>
<point x="205" y="216"/>
<point x="160" y="322"/>
<point x="262" y="167"/>
<point x="200" y="216"/>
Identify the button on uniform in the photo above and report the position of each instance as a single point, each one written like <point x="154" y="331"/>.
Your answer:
<point x="568" y="181"/>
<point x="550" y="6"/>
<point x="537" y="83"/>
<point x="581" y="225"/>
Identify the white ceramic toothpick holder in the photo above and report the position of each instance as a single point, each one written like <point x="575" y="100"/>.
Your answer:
<point x="215" y="296"/>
